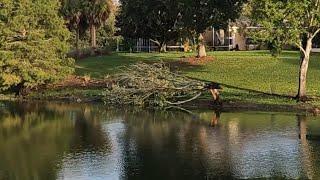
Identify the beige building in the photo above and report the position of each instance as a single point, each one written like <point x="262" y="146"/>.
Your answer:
<point x="231" y="39"/>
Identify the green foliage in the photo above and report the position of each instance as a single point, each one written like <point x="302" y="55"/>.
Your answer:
<point x="290" y="22"/>
<point x="33" y="43"/>
<point x="81" y="13"/>
<point x="105" y="36"/>
<point x="275" y="47"/>
<point x="154" y="19"/>
<point x="84" y="14"/>
<point x="72" y="11"/>
<point x="285" y="22"/>
<point x="97" y="11"/>
<point x="197" y="16"/>
<point x="166" y="20"/>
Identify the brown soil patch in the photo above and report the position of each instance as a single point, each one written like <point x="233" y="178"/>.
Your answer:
<point x="81" y="82"/>
<point x="197" y="61"/>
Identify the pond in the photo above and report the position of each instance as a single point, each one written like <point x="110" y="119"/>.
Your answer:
<point x="83" y="142"/>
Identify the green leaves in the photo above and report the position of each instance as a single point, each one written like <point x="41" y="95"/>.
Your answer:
<point x="84" y="14"/>
<point x="81" y="13"/>
<point x="289" y="21"/>
<point x="199" y="15"/>
<point x="33" y="43"/>
<point x="166" y="20"/>
<point x="154" y="19"/>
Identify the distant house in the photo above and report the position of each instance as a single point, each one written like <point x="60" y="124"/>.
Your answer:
<point x="234" y="38"/>
<point x="215" y="39"/>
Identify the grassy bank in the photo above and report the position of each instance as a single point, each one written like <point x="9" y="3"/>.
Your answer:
<point x="247" y="77"/>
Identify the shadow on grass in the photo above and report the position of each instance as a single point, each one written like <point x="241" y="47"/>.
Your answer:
<point x="99" y="67"/>
<point x="259" y="93"/>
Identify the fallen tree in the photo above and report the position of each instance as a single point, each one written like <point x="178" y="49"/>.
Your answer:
<point x="153" y="85"/>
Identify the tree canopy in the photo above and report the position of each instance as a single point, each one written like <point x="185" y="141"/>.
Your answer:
<point x="289" y="22"/>
<point x="197" y="16"/>
<point x="165" y="20"/>
<point x="33" y="43"/>
<point x="97" y="12"/>
<point x="153" y="19"/>
<point x="82" y="15"/>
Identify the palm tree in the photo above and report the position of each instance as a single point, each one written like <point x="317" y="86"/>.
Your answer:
<point x="72" y="10"/>
<point x="96" y="13"/>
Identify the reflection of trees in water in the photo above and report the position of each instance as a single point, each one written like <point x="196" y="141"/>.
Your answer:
<point x="156" y="145"/>
<point x="89" y="133"/>
<point x="150" y="143"/>
<point x="307" y="158"/>
<point x="30" y="140"/>
<point x="269" y="139"/>
<point x="35" y="136"/>
<point x="159" y="145"/>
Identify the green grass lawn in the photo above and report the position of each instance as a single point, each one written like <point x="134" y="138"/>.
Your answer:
<point x="246" y="76"/>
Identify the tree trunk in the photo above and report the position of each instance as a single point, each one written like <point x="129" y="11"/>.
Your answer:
<point x="202" y="51"/>
<point x="163" y="47"/>
<point x="201" y="47"/>
<point x="93" y="36"/>
<point x="305" y="57"/>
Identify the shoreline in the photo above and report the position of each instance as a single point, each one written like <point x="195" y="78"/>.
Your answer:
<point x="206" y="104"/>
<point x="229" y="106"/>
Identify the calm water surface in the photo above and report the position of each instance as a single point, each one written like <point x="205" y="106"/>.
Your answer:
<point x="83" y="142"/>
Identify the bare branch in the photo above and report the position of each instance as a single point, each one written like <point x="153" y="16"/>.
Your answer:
<point x="155" y="41"/>
<point x="183" y="102"/>
<point x="299" y="45"/>
<point x="315" y="33"/>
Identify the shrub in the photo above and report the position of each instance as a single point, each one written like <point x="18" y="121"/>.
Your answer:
<point x="33" y="44"/>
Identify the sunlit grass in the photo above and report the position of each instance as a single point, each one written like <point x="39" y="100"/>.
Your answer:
<point x="246" y="75"/>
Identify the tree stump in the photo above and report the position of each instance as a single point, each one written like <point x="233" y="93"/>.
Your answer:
<point x="201" y="47"/>
<point x="214" y="89"/>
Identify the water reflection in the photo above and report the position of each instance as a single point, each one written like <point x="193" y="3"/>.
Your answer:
<point x="215" y="118"/>
<point x="77" y="141"/>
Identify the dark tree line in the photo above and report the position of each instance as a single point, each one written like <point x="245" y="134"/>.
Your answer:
<point x="166" y="20"/>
